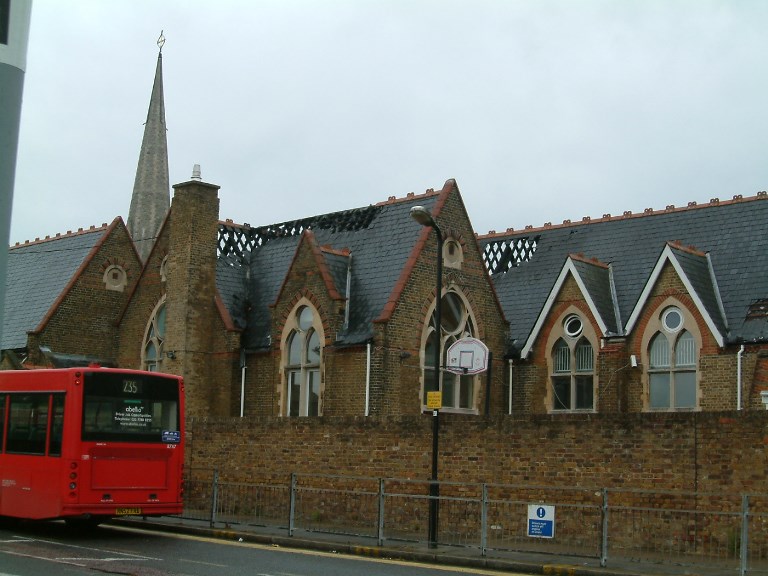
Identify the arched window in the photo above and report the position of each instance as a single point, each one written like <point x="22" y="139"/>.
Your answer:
<point x="302" y="353"/>
<point x="573" y="368"/>
<point x="672" y="367"/>
<point x="154" y="339"/>
<point x="453" y="255"/>
<point x="456" y="323"/>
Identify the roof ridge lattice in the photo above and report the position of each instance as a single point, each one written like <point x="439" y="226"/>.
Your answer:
<point x="235" y="239"/>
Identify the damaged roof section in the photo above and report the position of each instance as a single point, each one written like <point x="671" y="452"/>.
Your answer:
<point x="363" y="250"/>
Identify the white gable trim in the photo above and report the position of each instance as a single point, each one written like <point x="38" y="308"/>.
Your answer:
<point x="568" y="267"/>
<point x="667" y="255"/>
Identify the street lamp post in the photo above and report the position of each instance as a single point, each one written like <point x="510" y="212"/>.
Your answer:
<point x="423" y="217"/>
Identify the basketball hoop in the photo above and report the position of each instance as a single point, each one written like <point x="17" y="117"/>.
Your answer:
<point x="467" y="356"/>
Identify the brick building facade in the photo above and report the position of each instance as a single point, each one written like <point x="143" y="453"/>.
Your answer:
<point x="324" y="328"/>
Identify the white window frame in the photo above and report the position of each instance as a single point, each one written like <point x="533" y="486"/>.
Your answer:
<point x="572" y="325"/>
<point x="302" y="371"/>
<point x="683" y="339"/>
<point x="572" y="368"/>
<point x="460" y="391"/>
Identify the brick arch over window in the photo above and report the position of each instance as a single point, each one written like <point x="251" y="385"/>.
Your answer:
<point x="301" y="353"/>
<point x="670" y="350"/>
<point x="460" y="392"/>
<point x="153" y="345"/>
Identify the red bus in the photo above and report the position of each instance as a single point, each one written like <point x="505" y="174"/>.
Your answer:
<point x="87" y="444"/>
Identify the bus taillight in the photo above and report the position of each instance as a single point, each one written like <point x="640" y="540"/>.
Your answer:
<point x="72" y="478"/>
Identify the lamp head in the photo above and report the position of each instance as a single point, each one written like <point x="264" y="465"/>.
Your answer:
<point x="422" y="216"/>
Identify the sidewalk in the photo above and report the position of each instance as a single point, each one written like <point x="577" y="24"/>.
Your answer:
<point x="521" y="562"/>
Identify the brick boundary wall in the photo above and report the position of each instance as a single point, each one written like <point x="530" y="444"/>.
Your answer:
<point x="707" y="452"/>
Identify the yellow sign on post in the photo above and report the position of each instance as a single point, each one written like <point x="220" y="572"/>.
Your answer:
<point x="435" y="400"/>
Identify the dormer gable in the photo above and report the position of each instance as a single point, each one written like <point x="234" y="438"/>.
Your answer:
<point x="595" y="281"/>
<point x="695" y="271"/>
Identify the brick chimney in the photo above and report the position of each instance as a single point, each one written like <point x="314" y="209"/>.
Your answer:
<point x="191" y="289"/>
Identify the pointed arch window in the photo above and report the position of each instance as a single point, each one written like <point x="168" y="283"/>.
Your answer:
<point x="458" y="390"/>
<point x="672" y="370"/>
<point x="154" y="340"/>
<point x="302" y="356"/>
<point x="573" y="368"/>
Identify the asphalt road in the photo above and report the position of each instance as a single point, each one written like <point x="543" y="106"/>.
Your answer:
<point x="34" y="549"/>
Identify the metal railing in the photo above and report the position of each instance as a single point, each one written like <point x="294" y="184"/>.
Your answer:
<point x="727" y="531"/>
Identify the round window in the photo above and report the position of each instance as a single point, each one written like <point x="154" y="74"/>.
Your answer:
<point x="573" y="326"/>
<point x="672" y="319"/>
<point x="305" y="318"/>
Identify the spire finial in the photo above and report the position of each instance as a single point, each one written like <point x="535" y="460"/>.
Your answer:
<point x="161" y="41"/>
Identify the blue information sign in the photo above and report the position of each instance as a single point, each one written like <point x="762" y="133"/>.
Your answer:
<point x="541" y="521"/>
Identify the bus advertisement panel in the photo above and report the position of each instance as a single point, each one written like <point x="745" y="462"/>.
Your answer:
<point x="90" y="443"/>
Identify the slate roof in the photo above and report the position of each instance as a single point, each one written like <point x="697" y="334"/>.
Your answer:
<point x="597" y="281"/>
<point x="231" y="282"/>
<point x="732" y="232"/>
<point x="379" y="238"/>
<point x="338" y="266"/>
<point x="38" y="273"/>
<point x="697" y="270"/>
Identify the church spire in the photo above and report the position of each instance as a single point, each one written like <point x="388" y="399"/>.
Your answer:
<point x="151" y="189"/>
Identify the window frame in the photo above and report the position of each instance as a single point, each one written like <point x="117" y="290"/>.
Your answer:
<point x="576" y="377"/>
<point x="44" y="426"/>
<point x="154" y="334"/>
<point x="672" y="370"/>
<point x="302" y="374"/>
<point x="564" y="373"/>
<point x="463" y="388"/>
<point x="671" y="377"/>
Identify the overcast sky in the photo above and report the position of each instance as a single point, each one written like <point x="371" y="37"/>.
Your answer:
<point x="541" y="110"/>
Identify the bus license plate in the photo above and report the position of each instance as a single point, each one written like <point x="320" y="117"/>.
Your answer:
<point x="128" y="511"/>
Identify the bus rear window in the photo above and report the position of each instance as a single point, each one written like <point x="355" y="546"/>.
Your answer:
<point x="27" y="424"/>
<point x="130" y="408"/>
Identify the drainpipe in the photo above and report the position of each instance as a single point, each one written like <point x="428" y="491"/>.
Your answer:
<point x="738" y="377"/>
<point x="368" y="380"/>
<point x="510" y="386"/>
<point x="242" y="382"/>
